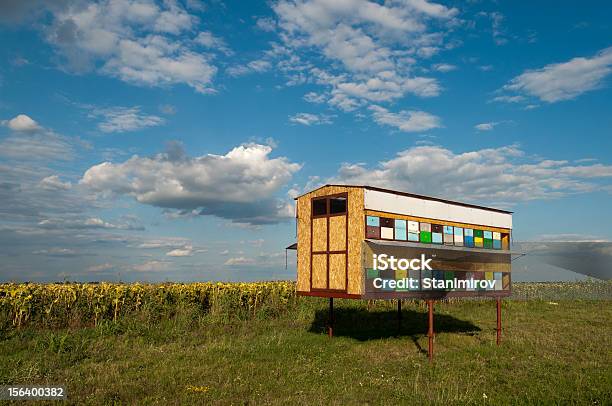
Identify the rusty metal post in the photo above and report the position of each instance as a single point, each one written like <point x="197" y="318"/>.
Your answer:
<point x="330" y="327"/>
<point x="499" y="328"/>
<point x="430" y="332"/>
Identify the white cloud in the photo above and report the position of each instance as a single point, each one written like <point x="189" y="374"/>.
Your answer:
<point x="240" y="261"/>
<point x="258" y="66"/>
<point x="137" y="41"/>
<point x="564" y="81"/>
<point x="186" y="251"/>
<point x="313" y="97"/>
<point x="266" y="24"/>
<point x="502" y="175"/>
<point x="209" y="40"/>
<point x="123" y="119"/>
<point x="30" y="141"/>
<point x="364" y="51"/>
<point x="100" y="268"/>
<point x="310" y="119"/>
<point x="444" y="67"/>
<point x="169" y="242"/>
<point x="239" y="186"/>
<point x="77" y="223"/>
<point x="406" y="120"/>
<point x="56" y="252"/>
<point x="53" y="182"/>
<point x="22" y="122"/>
<point x="152" y="266"/>
<point x="485" y="126"/>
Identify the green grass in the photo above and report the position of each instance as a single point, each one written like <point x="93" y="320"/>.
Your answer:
<point x="552" y="352"/>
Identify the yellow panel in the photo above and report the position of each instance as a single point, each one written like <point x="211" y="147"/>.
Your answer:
<point x="319" y="234"/>
<point x="337" y="233"/>
<point x="337" y="271"/>
<point x="303" y="240"/>
<point x="319" y="271"/>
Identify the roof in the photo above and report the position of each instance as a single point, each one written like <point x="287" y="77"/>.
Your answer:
<point x="424" y="197"/>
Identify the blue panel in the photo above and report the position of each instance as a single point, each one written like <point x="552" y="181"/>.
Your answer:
<point x="468" y="241"/>
<point x="488" y="234"/>
<point x="413" y="237"/>
<point x="400" y="224"/>
<point x="497" y="244"/>
<point x="373" y="221"/>
<point x="469" y="232"/>
<point x="448" y="229"/>
<point x="436" y="238"/>
<point x="459" y="231"/>
<point x="400" y="234"/>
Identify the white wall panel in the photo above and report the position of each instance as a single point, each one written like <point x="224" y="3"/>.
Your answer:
<point x="412" y="206"/>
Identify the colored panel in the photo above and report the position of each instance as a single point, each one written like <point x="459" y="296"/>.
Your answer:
<point x="400" y="274"/>
<point x="386" y="222"/>
<point x="425" y="275"/>
<point x="387" y="274"/>
<point x="386" y="233"/>
<point x="436" y="228"/>
<point x="478" y="242"/>
<point x="373" y="221"/>
<point x="497" y="244"/>
<point x="436" y="238"/>
<point x="448" y="229"/>
<point x="425" y="227"/>
<point x="468" y="232"/>
<point x="372" y="232"/>
<point x="469" y="241"/>
<point x="372" y="273"/>
<point x="413" y="226"/>
<point x="506" y="281"/>
<point x="400" y="224"/>
<point x="505" y="241"/>
<point x="479" y="233"/>
<point x="448" y="239"/>
<point x="416" y="277"/>
<point x="488" y="243"/>
<point x="498" y="280"/>
<point x="496" y="235"/>
<point x="413" y="237"/>
<point x="400" y="234"/>
<point x="458" y="232"/>
<point x="488" y="235"/>
<point x="425" y="236"/>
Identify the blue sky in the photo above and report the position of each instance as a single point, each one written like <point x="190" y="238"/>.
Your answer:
<point x="144" y="140"/>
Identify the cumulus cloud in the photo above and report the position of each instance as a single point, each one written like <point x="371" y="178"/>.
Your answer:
<point x="209" y="40"/>
<point x="186" y="251"/>
<point x="257" y="66"/>
<point x="444" y="67"/>
<point x="485" y="126"/>
<point x="123" y="119"/>
<point x="240" y="261"/>
<point x="563" y="81"/>
<point x="240" y="185"/>
<point x="360" y="51"/>
<point x="309" y="119"/>
<point x="22" y="122"/>
<point x="406" y="120"/>
<point x="53" y="182"/>
<point x="138" y="41"/>
<point x="502" y="175"/>
<point x="31" y="141"/>
<point x="152" y="266"/>
<point x="73" y="222"/>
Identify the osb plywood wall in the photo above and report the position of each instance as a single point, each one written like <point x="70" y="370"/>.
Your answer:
<point x="356" y="231"/>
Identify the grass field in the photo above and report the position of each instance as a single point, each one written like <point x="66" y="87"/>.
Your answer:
<point x="553" y="351"/>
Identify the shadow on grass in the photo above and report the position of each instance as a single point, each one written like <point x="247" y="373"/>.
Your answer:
<point x="363" y="325"/>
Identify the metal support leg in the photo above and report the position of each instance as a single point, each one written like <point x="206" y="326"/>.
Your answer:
<point x="399" y="315"/>
<point x="330" y="327"/>
<point x="430" y="332"/>
<point x="499" y="327"/>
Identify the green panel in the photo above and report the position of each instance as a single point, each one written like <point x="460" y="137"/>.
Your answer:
<point x="488" y="243"/>
<point x="372" y="273"/>
<point x="449" y="275"/>
<point x="478" y="233"/>
<point x="426" y="236"/>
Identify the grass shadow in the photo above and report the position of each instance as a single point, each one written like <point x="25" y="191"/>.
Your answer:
<point x="364" y="325"/>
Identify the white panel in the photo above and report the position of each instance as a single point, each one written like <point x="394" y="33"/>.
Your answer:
<point x="412" y="206"/>
<point x="413" y="226"/>
<point x="386" y="232"/>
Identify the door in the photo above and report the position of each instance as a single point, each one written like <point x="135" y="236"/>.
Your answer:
<point x="329" y="243"/>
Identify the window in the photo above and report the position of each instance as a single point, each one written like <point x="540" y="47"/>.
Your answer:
<point x="337" y="205"/>
<point x="319" y="207"/>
